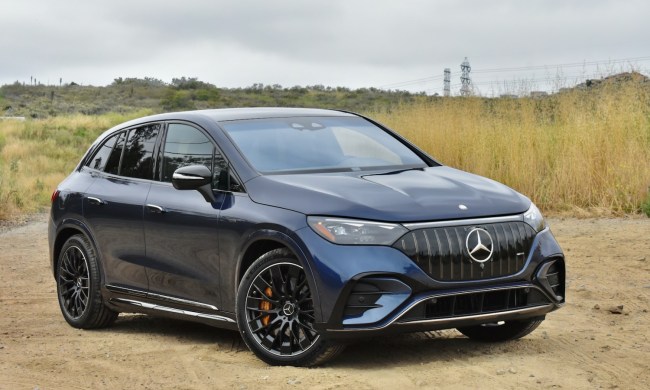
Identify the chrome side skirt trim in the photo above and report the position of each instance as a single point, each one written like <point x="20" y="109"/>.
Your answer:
<point x="461" y="222"/>
<point x="189" y="313"/>
<point x="143" y="293"/>
<point x="183" y="301"/>
<point x="126" y="290"/>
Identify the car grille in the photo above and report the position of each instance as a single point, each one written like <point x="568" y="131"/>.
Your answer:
<point x="476" y="303"/>
<point x="441" y="251"/>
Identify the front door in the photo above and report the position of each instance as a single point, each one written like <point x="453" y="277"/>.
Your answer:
<point x="181" y="232"/>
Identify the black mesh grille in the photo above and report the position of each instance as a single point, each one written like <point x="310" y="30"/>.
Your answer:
<point x="441" y="252"/>
<point x="475" y="304"/>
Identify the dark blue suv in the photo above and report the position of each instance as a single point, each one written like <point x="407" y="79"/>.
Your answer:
<point x="301" y="228"/>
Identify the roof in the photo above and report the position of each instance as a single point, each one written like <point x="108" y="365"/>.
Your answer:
<point x="230" y="114"/>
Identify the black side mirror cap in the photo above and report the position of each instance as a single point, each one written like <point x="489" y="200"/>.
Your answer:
<point x="194" y="177"/>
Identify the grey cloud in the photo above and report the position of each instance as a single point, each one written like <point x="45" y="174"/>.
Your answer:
<point x="293" y="39"/>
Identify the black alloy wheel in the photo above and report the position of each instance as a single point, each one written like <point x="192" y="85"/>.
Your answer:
<point x="78" y="285"/>
<point x="275" y="312"/>
<point x="74" y="282"/>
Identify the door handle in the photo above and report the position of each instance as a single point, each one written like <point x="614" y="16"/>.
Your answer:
<point x="95" y="201"/>
<point x="154" y="208"/>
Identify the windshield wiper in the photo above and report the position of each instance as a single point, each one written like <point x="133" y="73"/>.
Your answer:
<point x="395" y="172"/>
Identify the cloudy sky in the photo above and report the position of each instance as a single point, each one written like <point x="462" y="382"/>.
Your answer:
<point x="354" y="43"/>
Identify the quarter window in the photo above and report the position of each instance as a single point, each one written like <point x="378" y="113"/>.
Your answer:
<point x="138" y="154"/>
<point x="113" y="163"/>
<point x="98" y="161"/>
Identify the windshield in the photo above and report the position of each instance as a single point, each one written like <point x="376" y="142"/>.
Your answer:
<point x="298" y="144"/>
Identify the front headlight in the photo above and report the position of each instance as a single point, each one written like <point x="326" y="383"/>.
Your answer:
<point x="534" y="218"/>
<point x="355" y="232"/>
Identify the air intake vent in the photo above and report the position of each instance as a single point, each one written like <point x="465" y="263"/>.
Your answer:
<point x="476" y="303"/>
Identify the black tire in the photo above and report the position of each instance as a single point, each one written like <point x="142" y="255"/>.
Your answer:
<point x="509" y="330"/>
<point x="78" y="286"/>
<point x="275" y="313"/>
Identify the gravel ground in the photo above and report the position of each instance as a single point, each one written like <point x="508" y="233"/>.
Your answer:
<point x="598" y="340"/>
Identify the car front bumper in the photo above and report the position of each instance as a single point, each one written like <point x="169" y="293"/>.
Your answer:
<point x="371" y="290"/>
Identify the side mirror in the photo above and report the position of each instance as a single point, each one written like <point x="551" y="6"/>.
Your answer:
<point x="194" y="177"/>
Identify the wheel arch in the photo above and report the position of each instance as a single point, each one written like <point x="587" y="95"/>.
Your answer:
<point x="264" y="241"/>
<point x="66" y="230"/>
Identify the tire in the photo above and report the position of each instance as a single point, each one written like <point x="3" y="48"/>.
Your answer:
<point x="509" y="330"/>
<point x="78" y="286"/>
<point x="275" y="313"/>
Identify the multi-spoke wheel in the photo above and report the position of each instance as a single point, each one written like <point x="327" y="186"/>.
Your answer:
<point x="77" y="277"/>
<point x="74" y="281"/>
<point x="275" y="313"/>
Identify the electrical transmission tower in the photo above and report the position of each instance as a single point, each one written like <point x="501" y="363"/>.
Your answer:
<point x="465" y="89"/>
<point x="447" y="82"/>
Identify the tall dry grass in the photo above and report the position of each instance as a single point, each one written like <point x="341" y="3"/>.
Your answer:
<point x="35" y="155"/>
<point x="576" y="151"/>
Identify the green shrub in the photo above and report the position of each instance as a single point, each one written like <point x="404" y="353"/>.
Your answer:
<point x="645" y="206"/>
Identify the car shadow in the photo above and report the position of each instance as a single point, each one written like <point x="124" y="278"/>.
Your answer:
<point x="366" y="353"/>
<point x="426" y="347"/>
<point x="194" y="332"/>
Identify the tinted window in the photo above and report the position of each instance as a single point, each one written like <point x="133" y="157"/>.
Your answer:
<point x="113" y="164"/>
<point x="311" y="143"/>
<point x="98" y="161"/>
<point x="138" y="155"/>
<point x="185" y="145"/>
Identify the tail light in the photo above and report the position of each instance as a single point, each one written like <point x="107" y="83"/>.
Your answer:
<point x="55" y="195"/>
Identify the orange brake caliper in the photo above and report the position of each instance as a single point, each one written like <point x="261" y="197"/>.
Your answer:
<point x="266" y="305"/>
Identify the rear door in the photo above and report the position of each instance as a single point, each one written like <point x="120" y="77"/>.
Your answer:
<point x="180" y="227"/>
<point x="113" y="205"/>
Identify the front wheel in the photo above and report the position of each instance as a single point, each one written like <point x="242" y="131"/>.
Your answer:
<point x="77" y="284"/>
<point x="275" y="313"/>
<point x="501" y="331"/>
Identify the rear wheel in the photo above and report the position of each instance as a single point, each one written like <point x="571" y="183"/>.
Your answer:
<point x="501" y="331"/>
<point x="77" y="282"/>
<point x="275" y="313"/>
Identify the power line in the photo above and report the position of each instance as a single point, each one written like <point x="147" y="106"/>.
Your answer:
<point x="566" y="65"/>
<point x="519" y="69"/>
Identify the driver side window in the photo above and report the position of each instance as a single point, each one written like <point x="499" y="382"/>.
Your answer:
<point x="185" y="145"/>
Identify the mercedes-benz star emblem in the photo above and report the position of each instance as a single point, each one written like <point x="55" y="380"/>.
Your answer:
<point x="479" y="245"/>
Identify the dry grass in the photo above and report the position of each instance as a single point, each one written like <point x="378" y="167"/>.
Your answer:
<point x="579" y="151"/>
<point x="36" y="155"/>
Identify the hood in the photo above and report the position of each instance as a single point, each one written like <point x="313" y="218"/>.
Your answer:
<point x="429" y="194"/>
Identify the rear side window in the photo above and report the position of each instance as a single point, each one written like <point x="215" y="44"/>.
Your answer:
<point x="99" y="160"/>
<point x="113" y="163"/>
<point x="138" y="154"/>
<point x="185" y="145"/>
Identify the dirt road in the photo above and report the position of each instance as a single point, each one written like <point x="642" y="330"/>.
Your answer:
<point x="582" y="346"/>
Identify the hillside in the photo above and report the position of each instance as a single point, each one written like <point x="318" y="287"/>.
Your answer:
<point x="127" y="95"/>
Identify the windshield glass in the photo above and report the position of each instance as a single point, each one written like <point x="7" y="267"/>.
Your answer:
<point x="298" y="144"/>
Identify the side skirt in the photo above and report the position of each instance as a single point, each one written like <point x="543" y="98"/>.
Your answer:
<point x="138" y="301"/>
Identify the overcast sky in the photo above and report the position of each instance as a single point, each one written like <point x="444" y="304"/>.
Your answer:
<point x="348" y="43"/>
